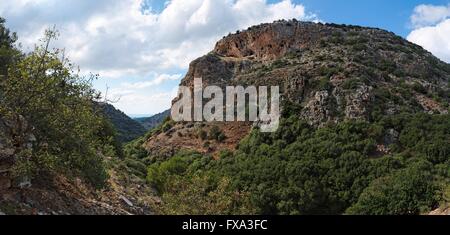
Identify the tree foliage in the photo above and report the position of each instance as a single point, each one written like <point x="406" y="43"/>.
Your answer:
<point x="407" y="191"/>
<point x="185" y="190"/>
<point x="334" y="169"/>
<point x="8" y="54"/>
<point x="47" y="90"/>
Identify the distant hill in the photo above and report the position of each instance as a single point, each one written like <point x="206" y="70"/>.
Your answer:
<point x="127" y="128"/>
<point x="151" y="122"/>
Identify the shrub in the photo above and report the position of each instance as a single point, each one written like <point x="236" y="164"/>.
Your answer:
<point x="322" y="84"/>
<point x="406" y="192"/>
<point x="279" y="64"/>
<point x="61" y="107"/>
<point x="8" y="54"/>
<point x="204" y="195"/>
<point x="202" y="134"/>
<point x="350" y="84"/>
<point x="138" y="168"/>
<point x="387" y="66"/>
<point x="221" y="138"/>
<point x="158" y="173"/>
<point x="328" y="72"/>
<point x="301" y="169"/>
<point x="167" y="126"/>
<point x="419" y="88"/>
<point x="215" y="133"/>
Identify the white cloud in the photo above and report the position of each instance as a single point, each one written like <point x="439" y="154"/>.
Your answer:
<point x="118" y="39"/>
<point x="144" y="97"/>
<point x="433" y="30"/>
<point x="143" y="103"/>
<point x="155" y="82"/>
<point x="428" y="15"/>
<point x="119" y="36"/>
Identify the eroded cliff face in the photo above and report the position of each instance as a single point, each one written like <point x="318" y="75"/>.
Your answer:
<point x="271" y="41"/>
<point x="15" y="138"/>
<point x="333" y="72"/>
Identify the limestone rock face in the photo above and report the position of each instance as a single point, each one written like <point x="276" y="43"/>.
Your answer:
<point x="358" y="102"/>
<point x="271" y="41"/>
<point x="316" y="111"/>
<point x="332" y="72"/>
<point x="15" y="136"/>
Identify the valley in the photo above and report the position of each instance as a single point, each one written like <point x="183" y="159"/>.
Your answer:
<point x="364" y="130"/>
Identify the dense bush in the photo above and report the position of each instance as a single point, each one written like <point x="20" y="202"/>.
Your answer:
<point x="184" y="190"/>
<point x="8" y="54"/>
<point x="330" y="170"/>
<point x="407" y="191"/>
<point x="203" y="195"/>
<point x="202" y="134"/>
<point x="215" y="133"/>
<point x="59" y="104"/>
<point x="159" y="174"/>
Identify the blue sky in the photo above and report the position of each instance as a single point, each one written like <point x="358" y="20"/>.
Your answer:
<point x="392" y="15"/>
<point x="142" y="48"/>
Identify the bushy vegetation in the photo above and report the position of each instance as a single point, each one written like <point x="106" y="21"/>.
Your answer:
<point x="396" y="162"/>
<point x="330" y="170"/>
<point x="185" y="189"/>
<point x="407" y="191"/>
<point x="215" y="133"/>
<point x="45" y="88"/>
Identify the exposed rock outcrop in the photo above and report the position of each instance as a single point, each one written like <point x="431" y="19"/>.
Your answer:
<point x="15" y="137"/>
<point x="58" y="195"/>
<point x="333" y="72"/>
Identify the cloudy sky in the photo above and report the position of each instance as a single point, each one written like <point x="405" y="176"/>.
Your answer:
<point x="142" y="48"/>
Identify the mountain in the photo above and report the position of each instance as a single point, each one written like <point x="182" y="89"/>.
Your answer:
<point x="151" y="122"/>
<point x="365" y="130"/>
<point x="334" y="72"/>
<point x="127" y="128"/>
<point x="365" y="127"/>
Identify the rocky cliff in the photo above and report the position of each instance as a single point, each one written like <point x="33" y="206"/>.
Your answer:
<point x="332" y="72"/>
<point x="15" y="139"/>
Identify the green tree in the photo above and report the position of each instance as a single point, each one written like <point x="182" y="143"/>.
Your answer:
<point x="7" y="51"/>
<point x="408" y="191"/>
<point x="202" y="195"/>
<point x="46" y="89"/>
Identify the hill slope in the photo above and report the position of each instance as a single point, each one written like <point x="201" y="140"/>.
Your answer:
<point x="365" y="127"/>
<point x="334" y="72"/>
<point x="127" y="128"/>
<point x="153" y="121"/>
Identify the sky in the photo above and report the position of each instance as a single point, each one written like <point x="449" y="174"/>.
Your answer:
<point x="141" y="49"/>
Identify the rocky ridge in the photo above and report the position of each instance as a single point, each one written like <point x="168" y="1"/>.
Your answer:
<point x="332" y="72"/>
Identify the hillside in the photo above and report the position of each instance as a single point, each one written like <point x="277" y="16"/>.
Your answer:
<point x="58" y="152"/>
<point x="333" y="72"/>
<point x="365" y="129"/>
<point x="365" y="121"/>
<point x="151" y="122"/>
<point x="127" y="128"/>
